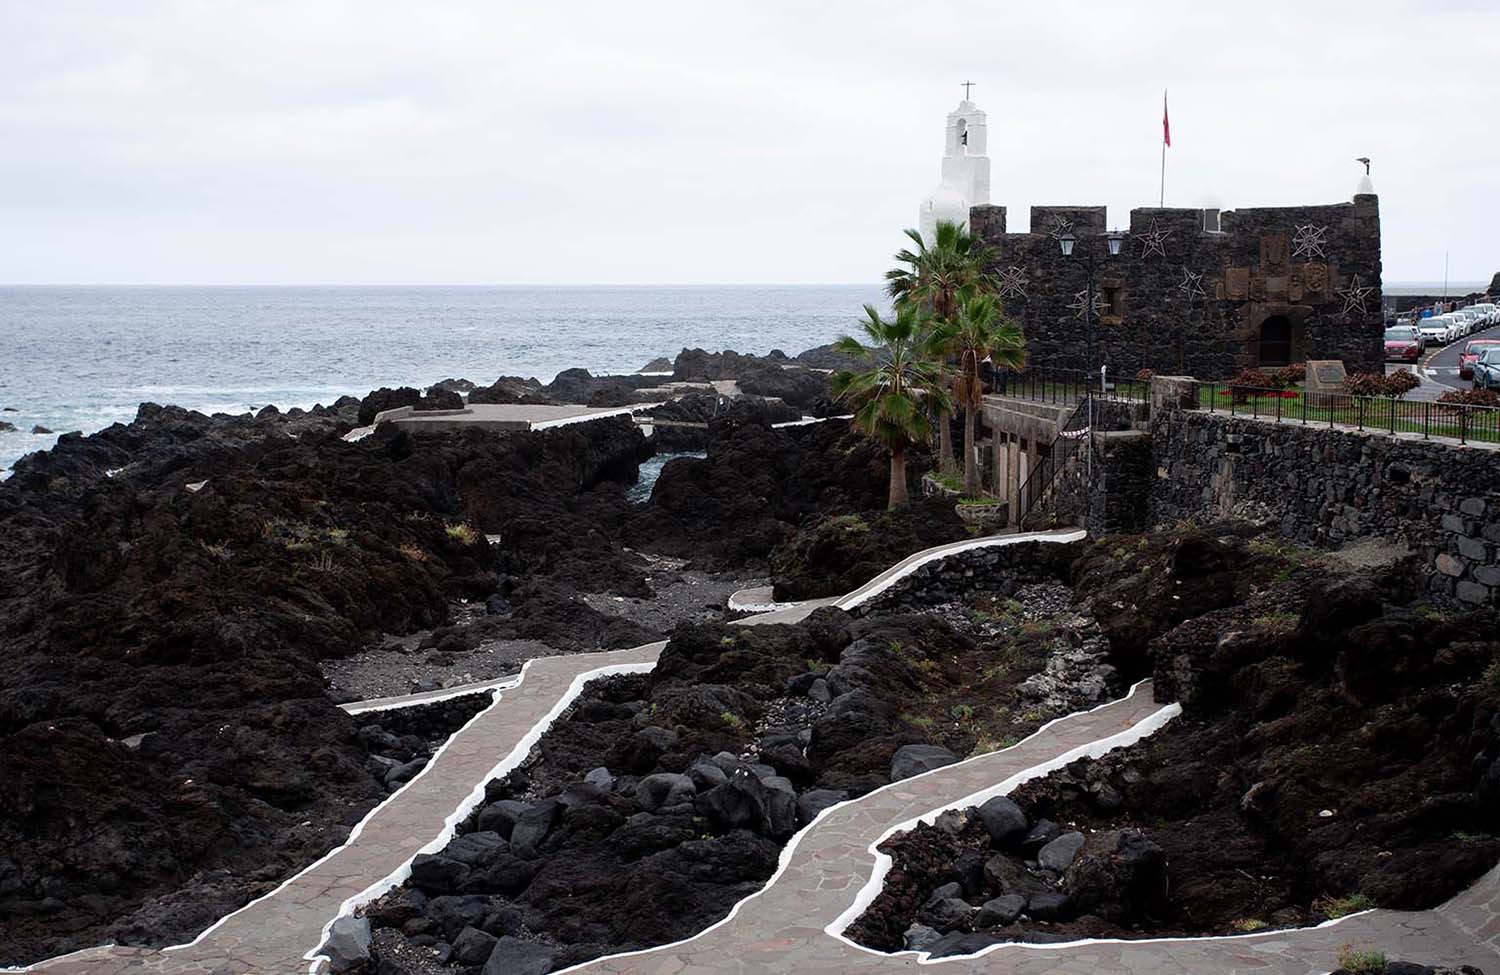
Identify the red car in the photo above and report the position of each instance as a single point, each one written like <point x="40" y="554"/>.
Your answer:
<point x="1403" y="344"/>
<point x="1468" y="355"/>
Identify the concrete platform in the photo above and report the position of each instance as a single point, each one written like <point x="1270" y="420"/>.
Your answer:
<point x="496" y="416"/>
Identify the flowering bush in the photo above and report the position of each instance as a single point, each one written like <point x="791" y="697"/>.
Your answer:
<point x="1400" y="383"/>
<point x="1288" y="376"/>
<point x="1145" y="375"/>
<point x="1364" y="384"/>
<point x="1471" y="397"/>
<point x="1248" y="383"/>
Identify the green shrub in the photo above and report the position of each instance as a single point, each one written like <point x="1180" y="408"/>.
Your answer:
<point x="1361" y="962"/>
<point x="1341" y="906"/>
<point x="462" y="533"/>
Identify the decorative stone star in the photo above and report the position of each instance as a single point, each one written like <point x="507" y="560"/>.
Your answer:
<point x="1011" y="282"/>
<point x="1061" y="226"/>
<point x="1354" y="296"/>
<point x="1309" y="240"/>
<point x="1191" y="285"/>
<point x="1154" y="241"/>
<point x="1081" y="303"/>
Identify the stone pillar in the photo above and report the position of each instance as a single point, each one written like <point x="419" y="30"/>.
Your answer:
<point x="1174" y="393"/>
<point x="997" y="465"/>
<point x="1012" y="477"/>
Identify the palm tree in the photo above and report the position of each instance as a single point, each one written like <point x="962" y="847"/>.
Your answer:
<point x="893" y="398"/>
<point x="979" y="331"/>
<point x="933" y="277"/>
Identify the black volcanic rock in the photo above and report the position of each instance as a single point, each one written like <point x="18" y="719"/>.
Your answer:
<point x="173" y="751"/>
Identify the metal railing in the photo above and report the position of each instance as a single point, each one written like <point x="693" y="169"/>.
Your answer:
<point x="1047" y="384"/>
<point x="1462" y="422"/>
<point x="1075" y="435"/>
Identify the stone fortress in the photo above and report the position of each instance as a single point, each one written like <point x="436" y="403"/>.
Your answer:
<point x="1192" y="292"/>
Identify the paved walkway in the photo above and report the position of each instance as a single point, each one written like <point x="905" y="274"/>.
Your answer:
<point x="825" y="872"/>
<point x="790" y="926"/>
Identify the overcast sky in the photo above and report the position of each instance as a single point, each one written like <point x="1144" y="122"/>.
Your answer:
<point x="317" y="141"/>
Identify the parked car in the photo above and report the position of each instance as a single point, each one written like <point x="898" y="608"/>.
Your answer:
<point x="1487" y="368"/>
<point x="1490" y="313"/>
<point x="1470" y="353"/>
<point x="1437" y="331"/>
<point x="1403" y="344"/>
<point x="1471" y="320"/>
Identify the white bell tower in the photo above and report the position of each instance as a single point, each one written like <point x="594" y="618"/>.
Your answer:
<point x="966" y="170"/>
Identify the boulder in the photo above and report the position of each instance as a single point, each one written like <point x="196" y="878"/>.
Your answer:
<point x="919" y="937"/>
<point x="911" y="760"/>
<point x="706" y="774"/>
<point x="532" y="826"/>
<point x="1058" y="855"/>
<point x="454" y="912"/>
<point x="1000" y="911"/>
<point x="947" y="914"/>
<point x="512" y="956"/>
<point x="968" y="871"/>
<point x="500" y="817"/>
<point x="814" y="801"/>
<point x="475" y="848"/>
<point x="39" y="430"/>
<point x="745" y="802"/>
<point x="473" y="947"/>
<point x="600" y="778"/>
<point x="664" y="789"/>
<point x="1003" y="820"/>
<point x="962" y="943"/>
<point x="434" y="872"/>
<point x="348" y="944"/>
<point x="1044" y="831"/>
<point x="1048" y="906"/>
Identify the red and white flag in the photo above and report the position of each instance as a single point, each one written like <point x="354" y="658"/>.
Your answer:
<point x="1166" y="127"/>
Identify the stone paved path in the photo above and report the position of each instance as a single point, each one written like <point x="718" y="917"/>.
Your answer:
<point x="782" y="928"/>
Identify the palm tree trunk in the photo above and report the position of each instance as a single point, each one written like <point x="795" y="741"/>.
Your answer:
<point x="971" y="469"/>
<point x="946" y="463"/>
<point x="898" y="478"/>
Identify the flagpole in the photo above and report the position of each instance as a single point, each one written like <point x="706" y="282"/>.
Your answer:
<point x="1162" y="203"/>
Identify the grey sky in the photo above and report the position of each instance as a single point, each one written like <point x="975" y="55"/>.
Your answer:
<point x="396" y="142"/>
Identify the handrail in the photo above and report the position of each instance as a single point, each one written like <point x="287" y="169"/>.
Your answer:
<point x="1076" y="431"/>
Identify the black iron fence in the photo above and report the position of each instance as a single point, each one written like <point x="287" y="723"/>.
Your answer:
<point x="1047" y="384"/>
<point x="1459" y="421"/>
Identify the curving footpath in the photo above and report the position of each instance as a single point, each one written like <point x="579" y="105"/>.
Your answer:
<point x="826" y="874"/>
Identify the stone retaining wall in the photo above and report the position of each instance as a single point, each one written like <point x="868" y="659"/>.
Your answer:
<point x="1324" y="487"/>
<point x="993" y="568"/>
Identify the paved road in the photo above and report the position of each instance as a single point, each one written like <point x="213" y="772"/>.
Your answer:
<point x="1439" y="367"/>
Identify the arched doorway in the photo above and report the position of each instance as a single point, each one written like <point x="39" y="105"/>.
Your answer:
<point x="1275" y="348"/>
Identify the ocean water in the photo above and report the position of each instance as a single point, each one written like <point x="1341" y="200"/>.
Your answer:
<point x="83" y="358"/>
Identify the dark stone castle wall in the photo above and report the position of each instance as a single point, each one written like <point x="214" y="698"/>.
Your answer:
<point x="1187" y="301"/>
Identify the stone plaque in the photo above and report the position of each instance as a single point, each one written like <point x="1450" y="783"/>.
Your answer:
<point x="1276" y="285"/>
<point x="1324" y="376"/>
<point x="1237" y="283"/>
<point x="1315" y="279"/>
<point x="1274" y="250"/>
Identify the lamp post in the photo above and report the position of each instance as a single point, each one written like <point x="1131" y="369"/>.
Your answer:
<point x="1113" y="240"/>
